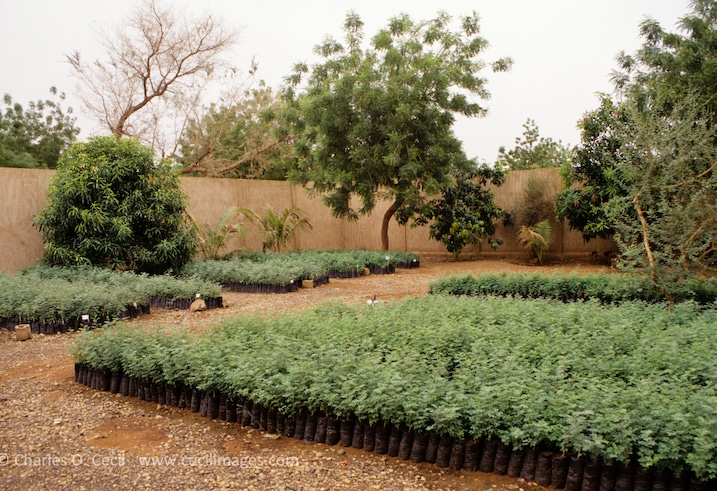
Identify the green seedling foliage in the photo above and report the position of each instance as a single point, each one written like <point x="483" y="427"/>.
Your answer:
<point x="295" y="266"/>
<point x="60" y="294"/>
<point x="603" y="287"/>
<point x="633" y="381"/>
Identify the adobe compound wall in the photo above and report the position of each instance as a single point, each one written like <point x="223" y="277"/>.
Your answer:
<point x="24" y="192"/>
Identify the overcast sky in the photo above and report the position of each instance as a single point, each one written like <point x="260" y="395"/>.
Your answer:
<point x="563" y="50"/>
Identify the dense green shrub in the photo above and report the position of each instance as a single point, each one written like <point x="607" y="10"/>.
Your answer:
<point x="607" y="288"/>
<point x="467" y="211"/>
<point x="111" y="205"/>
<point x="610" y="382"/>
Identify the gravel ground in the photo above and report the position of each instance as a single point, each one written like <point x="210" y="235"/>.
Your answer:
<point x="56" y="434"/>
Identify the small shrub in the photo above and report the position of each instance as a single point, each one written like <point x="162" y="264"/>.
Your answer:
<point x="212" y="240"/>
<point x="536" y="239"/>
<point x="278" y="228"/>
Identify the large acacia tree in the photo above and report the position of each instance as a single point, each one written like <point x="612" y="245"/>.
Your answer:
<point x="377" y="122"/>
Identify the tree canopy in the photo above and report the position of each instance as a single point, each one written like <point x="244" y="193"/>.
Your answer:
<point x="35" y="135"/>
<point x="238" y="137"/>
<point x="595" y="176"/>
<point x="533" y="151"/>
<point x="111" y="205"/>
<point x="376" y="123"/>
<point x="156" y="68"/>
<point x="646" y="170"/>
<point x="466" y="211"/>
<point x="667" y="222"/>
<point x="672" y="65"/>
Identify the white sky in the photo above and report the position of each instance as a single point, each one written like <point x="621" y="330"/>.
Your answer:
<point x="563" y="50"/>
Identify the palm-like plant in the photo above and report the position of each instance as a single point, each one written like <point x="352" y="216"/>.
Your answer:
<point x="212" y="239"/>
<point x="278" y="228"/>
<point x="536" y="238"/>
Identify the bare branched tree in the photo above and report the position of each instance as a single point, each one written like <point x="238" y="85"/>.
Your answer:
<point x="157" y="65"/>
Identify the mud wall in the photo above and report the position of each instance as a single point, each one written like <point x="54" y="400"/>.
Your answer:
<point x="24" y="192"/>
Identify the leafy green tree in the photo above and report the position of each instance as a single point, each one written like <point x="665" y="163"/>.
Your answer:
<point x="35" y="135"/>
<point x="111" y="205"/>
<point x="667" y="222"/>
<point x="377" y="123"/>
<point x="650" y="160"/>
<point x="533" y="151"/>
<point x="238" y="138"/>
<point x="596" y="176"/>
<point x="668" y="68"/>
<point x="671" y="66"/>
<point x="466" y="211"/>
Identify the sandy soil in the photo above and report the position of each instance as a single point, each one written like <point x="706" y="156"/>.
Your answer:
<point x="56" y="434"/>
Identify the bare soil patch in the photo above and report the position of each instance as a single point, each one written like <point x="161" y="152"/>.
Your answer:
<point x="57" y="434"/>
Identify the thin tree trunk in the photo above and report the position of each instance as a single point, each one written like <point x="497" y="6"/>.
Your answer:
<point x="384" y="225"/>
<point x="683" y="248"/>
<point x="645" y="232"/>
<point x="648" y="249"/>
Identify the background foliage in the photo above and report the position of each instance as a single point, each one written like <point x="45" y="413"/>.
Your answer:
<point x="35" y="135"/>
<point x="533" y="151"/>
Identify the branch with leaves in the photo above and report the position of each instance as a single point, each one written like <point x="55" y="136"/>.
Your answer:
<point x="242" y="136"/>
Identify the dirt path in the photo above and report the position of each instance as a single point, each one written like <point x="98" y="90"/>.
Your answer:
<point x="56" y="434"/>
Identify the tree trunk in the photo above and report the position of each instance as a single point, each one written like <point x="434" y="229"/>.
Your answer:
<point x="384" y="225"/>
<point x="645" y="232"/>
<point x="648" y="249"/>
